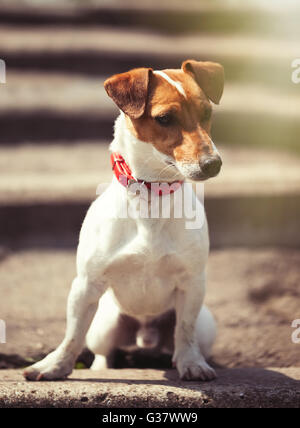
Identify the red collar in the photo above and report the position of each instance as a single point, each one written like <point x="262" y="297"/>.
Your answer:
<point x="125" y="177"/>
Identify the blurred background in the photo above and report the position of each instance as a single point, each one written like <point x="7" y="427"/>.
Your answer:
<point x="55" y="125"/>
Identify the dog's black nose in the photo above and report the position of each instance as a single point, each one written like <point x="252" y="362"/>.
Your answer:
<point x="211" y="166"/>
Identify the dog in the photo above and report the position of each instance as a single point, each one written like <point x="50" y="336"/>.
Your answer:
<point x="140" y="267"/>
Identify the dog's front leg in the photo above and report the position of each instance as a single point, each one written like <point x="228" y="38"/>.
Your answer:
<point x="82" y="305"/>
<point x="188" y="357"/>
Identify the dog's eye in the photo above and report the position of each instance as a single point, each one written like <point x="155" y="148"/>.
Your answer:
<point x="165" y="119"/>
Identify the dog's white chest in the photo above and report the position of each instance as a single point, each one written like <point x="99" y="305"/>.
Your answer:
<point x="144" y="273"/>
<point x="143" y="261"/>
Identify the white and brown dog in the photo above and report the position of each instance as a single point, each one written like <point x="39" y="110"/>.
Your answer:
<point x="143" y="268"/>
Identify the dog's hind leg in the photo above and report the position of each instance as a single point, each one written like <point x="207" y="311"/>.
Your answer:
<point x="109" y="330"/>
<point x="100" y="362"/>
<point x="206" y="331"/>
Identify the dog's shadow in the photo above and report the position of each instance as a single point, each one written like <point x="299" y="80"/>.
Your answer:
<point x="258" y="379"/>
<point x="234" y="387"/>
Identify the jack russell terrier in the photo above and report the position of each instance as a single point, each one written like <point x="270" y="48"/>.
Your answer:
<point x="142" y="269"/>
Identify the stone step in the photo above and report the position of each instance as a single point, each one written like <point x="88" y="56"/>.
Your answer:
<point x="109" y="389"/>
<point x="104" y="51"/>
<point x="46" y="190"/>
<point x="253" y="293"/>
<point x="36" y="283"/>
<point x="162" y="16"/>
<point x="45" y="108"/>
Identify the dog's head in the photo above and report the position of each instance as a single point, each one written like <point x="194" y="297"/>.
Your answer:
<point x="171" y="109"/>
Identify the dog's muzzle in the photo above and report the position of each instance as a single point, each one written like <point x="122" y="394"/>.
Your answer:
<point x="207" y="167"/>
<point x="211" y="166"/>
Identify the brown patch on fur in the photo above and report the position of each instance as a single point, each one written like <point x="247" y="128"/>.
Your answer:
<point x="195" y="145"/>
<point x="187" y="138"/>
<point x="209" y="76"/>
<point x="129" y="91"/>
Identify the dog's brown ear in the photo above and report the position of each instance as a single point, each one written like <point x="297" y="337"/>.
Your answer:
<point x="209" y="76"/>
<point x="129" y="91"/>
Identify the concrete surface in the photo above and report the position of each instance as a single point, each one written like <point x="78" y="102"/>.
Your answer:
<point x="165" y="16"/>
<point x="106" y="50"/>
<point x="45" y="191"/>
<point x="55" y="73"/>
<point x="133" y="41"/>
<point x="254" y="295"/>
<point x="244" y="388"/>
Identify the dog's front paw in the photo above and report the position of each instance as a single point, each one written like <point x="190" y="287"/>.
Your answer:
<point x="52" y="367"/>
<point x="191" y="365"/>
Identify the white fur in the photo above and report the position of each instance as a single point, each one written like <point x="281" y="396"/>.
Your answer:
<point x="146" y="163"/>
<point x="139" y="267"/>
<point x="216" y="151"/>
<point x="172" y="82"/>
